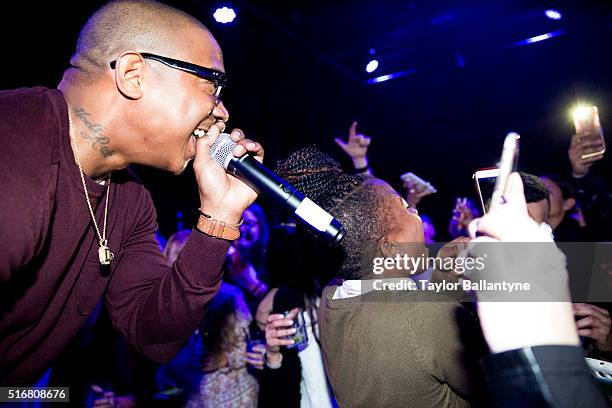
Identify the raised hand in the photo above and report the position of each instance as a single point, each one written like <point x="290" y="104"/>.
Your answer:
<point x="356" y="147"/>
<point x="462" y="216"/>
<point x="582" y="144"/>
<point x="415" y="192"/>
<point x="594" y="323"/>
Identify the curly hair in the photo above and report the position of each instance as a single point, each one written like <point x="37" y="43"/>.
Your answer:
<point x="220" y="326"/>
<point x="356" y="201"/>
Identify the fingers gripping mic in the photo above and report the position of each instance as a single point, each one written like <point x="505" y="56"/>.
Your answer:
<point x="265" y="182"/>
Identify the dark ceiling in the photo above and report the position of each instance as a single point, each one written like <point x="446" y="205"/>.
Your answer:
<point x="297" y="77"/>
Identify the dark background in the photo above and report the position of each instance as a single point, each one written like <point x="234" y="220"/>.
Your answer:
<point x="297" y="77"/>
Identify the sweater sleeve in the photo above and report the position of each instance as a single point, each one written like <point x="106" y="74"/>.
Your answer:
<point x="542" y="376"/>
<point x="155" y="307"/>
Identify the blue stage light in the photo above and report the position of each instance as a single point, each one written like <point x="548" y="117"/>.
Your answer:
<point x="539" y="38"/>
<point x="387" y="77"/>
<point x="372" y="65"/>
<point x="224" y="15"/>
<point x="553" y="14"/>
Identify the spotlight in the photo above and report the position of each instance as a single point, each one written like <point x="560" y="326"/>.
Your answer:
<point x="372" y="65"/>
<point x="387" y="77"/>
<point x="224" y="15"/>
<point x="553" y="14"/>
<point x="539" y="38"/>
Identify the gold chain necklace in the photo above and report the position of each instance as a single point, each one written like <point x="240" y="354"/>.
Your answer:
<point x="104" y="254"/>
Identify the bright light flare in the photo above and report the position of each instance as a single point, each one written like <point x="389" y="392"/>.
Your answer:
<point x="372" y="66"/>
<point x="581" y="112"/>
<point x="553" y="14"/>
<point x="539" y="38"/>
<point x="224" y="15"/>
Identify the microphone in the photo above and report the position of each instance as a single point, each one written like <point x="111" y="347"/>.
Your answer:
<point x="265" y="182"/>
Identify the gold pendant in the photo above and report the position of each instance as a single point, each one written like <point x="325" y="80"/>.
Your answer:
<point x="105" y="255"/>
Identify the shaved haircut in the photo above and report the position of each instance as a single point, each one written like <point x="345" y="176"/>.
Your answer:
<point x="141" y="25"/>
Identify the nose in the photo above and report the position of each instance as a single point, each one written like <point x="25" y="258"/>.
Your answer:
<point x="220" y="111"/>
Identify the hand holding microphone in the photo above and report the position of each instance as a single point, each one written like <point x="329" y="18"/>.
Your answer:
<point x="229" y="151"/>
<point x="222" y="197"/>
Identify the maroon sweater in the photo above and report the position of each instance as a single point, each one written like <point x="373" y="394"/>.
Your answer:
<point x="50" y="276"/>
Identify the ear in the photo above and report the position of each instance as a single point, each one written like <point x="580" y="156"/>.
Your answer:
<point x="129" y="73"/>
<point x="569" y="204"/>
<point x="387" y="247"/>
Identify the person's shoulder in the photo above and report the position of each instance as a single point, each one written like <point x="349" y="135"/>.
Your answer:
<point x="328" y="292"/>
<point x="441" y="308"/>
<point x="30" y="101"/>
<point x="330" y="288"/>
<point x="324" y="306"/>
<point x="37" y="92"/>
<point x="31" y="126"/>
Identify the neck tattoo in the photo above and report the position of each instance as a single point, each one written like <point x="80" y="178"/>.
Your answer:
<point x="104" y="253"/>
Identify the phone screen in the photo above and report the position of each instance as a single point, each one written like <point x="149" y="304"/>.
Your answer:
<point x="485" y="184"/>
<point x="586" y="120"/>
<point x="491" y="183"/>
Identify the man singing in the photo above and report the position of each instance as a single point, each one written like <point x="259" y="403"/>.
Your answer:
<point x="144" y="87"/>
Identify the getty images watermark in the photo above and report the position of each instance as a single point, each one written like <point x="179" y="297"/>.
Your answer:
<point x="456" y="268"/>
<point x="423" y="262"/>
<point x="496" y="271"/>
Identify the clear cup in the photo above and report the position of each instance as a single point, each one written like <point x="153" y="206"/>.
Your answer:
<point x="255" y="338"/>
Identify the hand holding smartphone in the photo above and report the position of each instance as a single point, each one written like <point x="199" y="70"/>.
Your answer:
<point x="418" y="183"/>
<point x="491" y="183"/>
<point x="588" y="129"/>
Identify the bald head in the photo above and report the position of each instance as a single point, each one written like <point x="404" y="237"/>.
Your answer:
<point x="147" y="109"/>
<point x="141" y="25"/>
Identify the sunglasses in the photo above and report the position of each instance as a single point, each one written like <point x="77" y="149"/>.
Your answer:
<point x="217" y="78"/>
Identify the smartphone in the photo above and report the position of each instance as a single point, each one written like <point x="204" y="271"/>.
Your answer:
<point x="586" y="120"/>
<point x="418" y="182"/>
<point x="484" y="183"/>
<point x="490" y="183"/>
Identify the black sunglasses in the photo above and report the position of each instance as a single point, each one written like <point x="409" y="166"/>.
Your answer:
<point x="218" y="78"/>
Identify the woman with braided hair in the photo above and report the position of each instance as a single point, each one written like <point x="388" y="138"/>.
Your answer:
<point x="382" y="348"/>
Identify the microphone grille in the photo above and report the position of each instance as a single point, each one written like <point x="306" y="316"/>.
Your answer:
<point x="221" y="149"/>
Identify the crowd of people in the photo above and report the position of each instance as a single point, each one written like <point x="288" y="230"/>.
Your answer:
<point x="239" y="313"/>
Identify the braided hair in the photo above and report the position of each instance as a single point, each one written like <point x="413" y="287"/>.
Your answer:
<point x="354" y="200"/>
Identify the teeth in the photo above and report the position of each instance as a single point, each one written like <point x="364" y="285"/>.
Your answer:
<point x="198" y="133"/>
